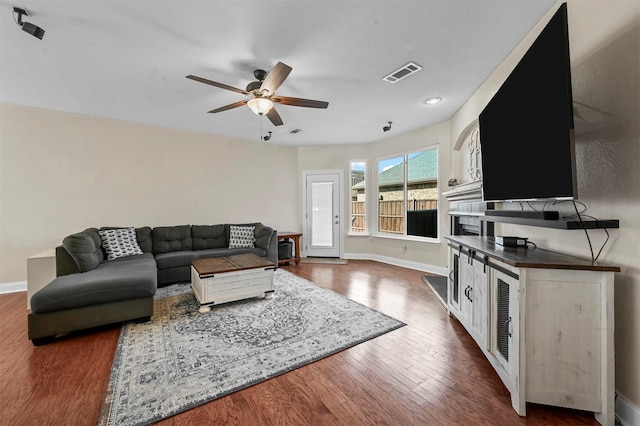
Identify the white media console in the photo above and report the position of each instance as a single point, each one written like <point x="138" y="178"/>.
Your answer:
<point x="544" y="320"/>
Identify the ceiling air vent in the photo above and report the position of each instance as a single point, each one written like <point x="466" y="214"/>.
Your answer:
<point x="294" y="131"/>
<point x="403" y="72"/>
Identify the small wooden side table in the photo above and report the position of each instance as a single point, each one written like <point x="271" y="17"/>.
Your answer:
<point x="295" y="236"/>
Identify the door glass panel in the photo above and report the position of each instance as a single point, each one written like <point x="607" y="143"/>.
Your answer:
<point x="322" y="214"/>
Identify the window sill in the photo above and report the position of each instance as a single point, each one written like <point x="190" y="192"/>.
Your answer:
<point x="408" y="238"/>
<point x="358" y="234"/>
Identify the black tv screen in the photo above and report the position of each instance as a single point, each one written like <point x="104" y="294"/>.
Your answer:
<point x="526" y="130"/>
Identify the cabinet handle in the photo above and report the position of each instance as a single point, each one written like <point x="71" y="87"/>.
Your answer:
<point x="467" y="293"/>
<point x="507" y="329"/>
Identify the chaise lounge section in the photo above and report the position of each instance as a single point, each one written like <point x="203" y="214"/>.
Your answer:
<point x="94" y="288"/>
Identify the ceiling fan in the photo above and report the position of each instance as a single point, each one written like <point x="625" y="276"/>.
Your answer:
<point x="262" y="93"/>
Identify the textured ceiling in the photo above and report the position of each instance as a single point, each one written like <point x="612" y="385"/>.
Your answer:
<point x="127" y="60"/>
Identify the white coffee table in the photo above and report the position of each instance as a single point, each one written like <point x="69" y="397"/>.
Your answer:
<point x="227" y="279"/>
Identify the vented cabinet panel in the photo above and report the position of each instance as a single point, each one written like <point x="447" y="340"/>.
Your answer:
<point x="503" y="319"/>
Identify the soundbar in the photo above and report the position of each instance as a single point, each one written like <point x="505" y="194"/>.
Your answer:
<point x="527" y="214"/>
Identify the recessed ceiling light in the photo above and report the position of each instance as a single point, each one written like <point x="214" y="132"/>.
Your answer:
<point x="433" y="100"/>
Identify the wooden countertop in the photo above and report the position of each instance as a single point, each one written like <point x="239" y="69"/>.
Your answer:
<point x="531" y="257"/>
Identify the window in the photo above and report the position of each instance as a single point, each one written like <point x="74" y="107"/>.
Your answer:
<point x="407" y="194"/>
<point x="358" y="199"/>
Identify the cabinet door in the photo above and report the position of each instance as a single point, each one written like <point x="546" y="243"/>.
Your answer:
<point x="479" y="318"/>
<point x="454" y="282"/>
<point x="505" y="321"/>
<point x="465" y="274"/>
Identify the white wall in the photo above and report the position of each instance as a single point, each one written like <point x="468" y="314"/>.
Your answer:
<point x="605" y="53"/>
<point x="61" y="173"/>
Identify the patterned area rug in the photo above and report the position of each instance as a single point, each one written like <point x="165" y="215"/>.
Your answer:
<point x="182" y="358"/>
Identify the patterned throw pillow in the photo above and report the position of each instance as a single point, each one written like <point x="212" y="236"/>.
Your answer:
<point x="241" y="236"/>
<point x="119" y="242"/>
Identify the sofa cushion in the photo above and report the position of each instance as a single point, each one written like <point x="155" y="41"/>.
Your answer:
<point x="208" y="237"/>
<point x="263" y="235"/>
<point x="174" y="259"/>
<point x="124" y="278"/>
<point x="143" y="234"/>
<point x="85" y="249"/>
<point x="120" y="242"/>
<point x="171" y="238"/>
<point x="242" y="236"/>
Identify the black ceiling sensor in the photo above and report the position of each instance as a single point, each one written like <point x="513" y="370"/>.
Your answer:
<point x="387" y="128"/>
<point x="34" y="30"/>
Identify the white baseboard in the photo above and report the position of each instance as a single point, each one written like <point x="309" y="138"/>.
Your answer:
<point x="628" y="413"/>
<point x="439" y="270"/>
<point x="13" y="287"/>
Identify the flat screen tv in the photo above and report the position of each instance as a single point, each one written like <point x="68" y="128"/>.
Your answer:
<point x="526" y="130"/>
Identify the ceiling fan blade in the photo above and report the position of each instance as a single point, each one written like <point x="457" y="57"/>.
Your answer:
<point x="274" y="117"/>
<point x="274" y="79"/>
<point x="308" y="103"/>
<point x="215" y="83"/>
<point x="230" y="106"/>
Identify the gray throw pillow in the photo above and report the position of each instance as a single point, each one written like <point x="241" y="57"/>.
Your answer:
<point x="119" y="242"/>
<point x="242" y="236"/>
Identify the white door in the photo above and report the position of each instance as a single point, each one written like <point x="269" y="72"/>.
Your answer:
<point x="322" y="212"/>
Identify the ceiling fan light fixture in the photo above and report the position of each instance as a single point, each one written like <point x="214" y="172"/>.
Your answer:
<point x="260" y="106"/>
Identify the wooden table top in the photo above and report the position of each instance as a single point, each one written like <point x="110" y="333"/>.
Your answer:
<point x="237" y="262"/>
<point x="289" y="234"/>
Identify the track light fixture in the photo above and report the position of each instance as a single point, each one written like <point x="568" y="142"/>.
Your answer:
<point x="267" y="137"/>
<point x="34" y="30"/>
<point x="387" y="128"/>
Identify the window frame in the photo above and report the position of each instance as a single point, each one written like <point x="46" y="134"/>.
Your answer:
<point x="375" y="222"/>
<point x="367" y="222"/>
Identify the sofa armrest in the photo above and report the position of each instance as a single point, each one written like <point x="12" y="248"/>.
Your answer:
<point x="65" y="264"/>
<point x="272" y="249"/>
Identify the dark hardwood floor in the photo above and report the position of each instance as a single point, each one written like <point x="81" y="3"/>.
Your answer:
<point x="429" y="372"/>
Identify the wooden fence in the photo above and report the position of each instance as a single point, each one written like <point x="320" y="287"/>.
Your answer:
<point x="390" y="214"/>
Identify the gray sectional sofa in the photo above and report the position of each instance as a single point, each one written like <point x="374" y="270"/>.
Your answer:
<point x="91" y="291"/>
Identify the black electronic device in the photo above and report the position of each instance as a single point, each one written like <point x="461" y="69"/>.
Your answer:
<point x="511" y="241"/>
<point x="526" y="129"/>
<point x="34" y="30"/>
<point x="527" y="214"/>
<point x="28" y="27"/>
